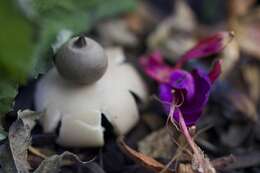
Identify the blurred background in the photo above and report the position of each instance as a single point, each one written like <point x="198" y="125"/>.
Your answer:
<point x="32" y="30"/>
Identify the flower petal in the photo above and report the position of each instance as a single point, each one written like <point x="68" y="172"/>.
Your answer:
<point x="182" y="80"/>
<point x="189" y="118"/>
<point x="155" y="67"/>
<point x="206" y="47"/>
<point x="197" y="84"/>
<point x="165" y="94"/>
<point x="191" y="110"/>
<point x="215" y="71"/>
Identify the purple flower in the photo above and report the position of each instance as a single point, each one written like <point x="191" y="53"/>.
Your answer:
<point x="191" y="90"/>
<point x="187" y="91"/>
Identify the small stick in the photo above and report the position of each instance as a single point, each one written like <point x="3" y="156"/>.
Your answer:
<point x="37" y="152"/>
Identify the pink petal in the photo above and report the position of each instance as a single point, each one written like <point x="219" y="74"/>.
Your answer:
<point x="215" y="71"/>
<point x="206" y="47"/>
<point x="155" y="67"/>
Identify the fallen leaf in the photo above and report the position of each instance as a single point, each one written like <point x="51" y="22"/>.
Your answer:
<point x="222" y="162"/>
<point x="251" y="77"/>
<point x="142" y="159"/>
<point x="230" y="56"/>
<point x="243" y="104"/>
<point x="116" y="32"/>
<point x="230" y="137"/>
<point x="202" y="164"/>
<point x="19" y="141"/>
<point x="55" y="162"/>
<point x="245" y="160"/>
<point x="247" y="32"/>
<point x="14" y="153"/>
<point x="239" y="7"/>
<point x="157" y="144"/>
<point x="150" y="163"/>
<point x="173" y="36"/>
<point x="185" y="168"/>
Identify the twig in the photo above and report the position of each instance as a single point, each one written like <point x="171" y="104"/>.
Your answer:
<point x="37" y="152"/>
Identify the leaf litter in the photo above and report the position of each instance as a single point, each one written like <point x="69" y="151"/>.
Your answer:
<point x="14" y="153"/>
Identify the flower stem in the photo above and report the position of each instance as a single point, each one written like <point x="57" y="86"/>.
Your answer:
<point x="197" y="154"/>
<point x="187" y="135"/>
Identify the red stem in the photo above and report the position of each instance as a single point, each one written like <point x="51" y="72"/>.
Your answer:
<point x="186" y="134"/>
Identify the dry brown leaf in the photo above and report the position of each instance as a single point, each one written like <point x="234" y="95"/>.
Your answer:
<point x="134" y="22"/>
<point x="173" y="37"/>
<point x="251" y="77"/>
<point x="150" y="163"/>
<point x="202" y="163"/>
<point x="223" y="162"/>
<point x="157" y="144"/>
<point x="245" y="160"/>
<point x="230" y="56"/>
<point x="14" y="153"/>
<point x="239" y="7"/>
<point x="248" y="33"/>
<point x="185" y="168"/>
<point x="142" y="159"/>
<point x="244" y="104"/>
<point x="230" y="137"/>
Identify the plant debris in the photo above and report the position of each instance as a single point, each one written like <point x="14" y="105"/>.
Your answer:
<point x="15" y="152"/>
<point x="144" y="160"/>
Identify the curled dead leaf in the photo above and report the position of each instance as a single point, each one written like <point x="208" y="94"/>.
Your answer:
<point x="54" y="163"/>
<point x="142" y="159"/>
<point x="152" y="164"/>
<point x="14" y="153"/>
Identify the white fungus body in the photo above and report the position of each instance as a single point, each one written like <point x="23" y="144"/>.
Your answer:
<point x="79" y="107"/>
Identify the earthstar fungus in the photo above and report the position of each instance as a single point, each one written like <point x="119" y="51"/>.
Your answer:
<point x="81" y="60"/>
<point x="86" y="83"/>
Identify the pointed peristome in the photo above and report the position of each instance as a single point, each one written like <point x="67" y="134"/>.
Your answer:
<point x="206" y="47"/>
<point x="215" y="71"/>
<point x="80" y="42"/>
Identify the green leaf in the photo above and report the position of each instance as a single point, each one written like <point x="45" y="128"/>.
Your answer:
<point x="3" y="134"/>
<point x="15" y="43"/>
<point x="7" y="93"/>
<point x="15" y="53"/>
